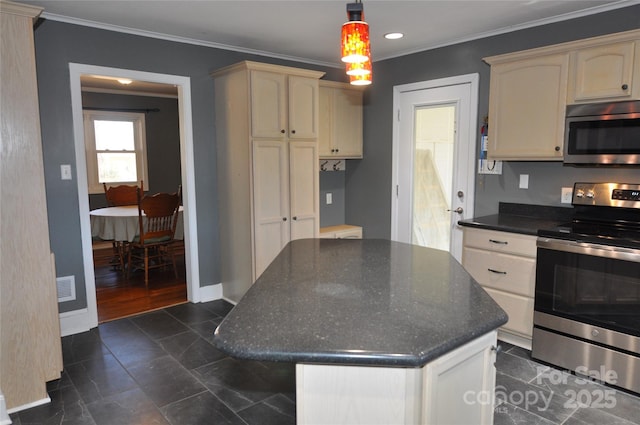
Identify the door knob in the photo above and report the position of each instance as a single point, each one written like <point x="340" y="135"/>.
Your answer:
<point x="458" y="210"/>
<point x="460" y="194"/>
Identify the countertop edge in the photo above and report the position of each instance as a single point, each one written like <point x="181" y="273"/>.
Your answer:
<point x="373" y="359"/>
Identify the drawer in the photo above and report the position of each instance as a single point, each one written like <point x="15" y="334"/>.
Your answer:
<point x="518" y="308"/>
<point x="509" y="243"/>
<point x="501" y="271"/>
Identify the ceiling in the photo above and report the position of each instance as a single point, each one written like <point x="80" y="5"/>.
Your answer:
<point x="309" y="30"/>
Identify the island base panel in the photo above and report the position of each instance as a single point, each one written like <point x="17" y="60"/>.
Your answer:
<point x="456" y="388"/>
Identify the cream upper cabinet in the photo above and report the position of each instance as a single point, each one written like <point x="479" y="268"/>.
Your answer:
<point x="268" y="177"/>
<point x="283" y="105"/>
<point x="527" y="107"/>
<point x="605" y="72"/>
<point x="531" y="89"/>
<point x="340" y="121"/>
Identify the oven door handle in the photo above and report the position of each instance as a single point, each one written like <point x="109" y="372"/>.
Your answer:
<point x="595" y="250"/>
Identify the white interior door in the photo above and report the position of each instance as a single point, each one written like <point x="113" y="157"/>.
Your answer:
<point x="434" y="161"/>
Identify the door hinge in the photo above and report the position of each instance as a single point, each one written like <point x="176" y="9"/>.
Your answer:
<point x="398" y="114"/>
<point x="397" y="190"/>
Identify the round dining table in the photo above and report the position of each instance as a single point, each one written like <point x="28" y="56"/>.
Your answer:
<point x="121" y="223"/>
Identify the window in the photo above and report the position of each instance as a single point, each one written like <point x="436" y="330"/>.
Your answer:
<point x="116" y="148"/>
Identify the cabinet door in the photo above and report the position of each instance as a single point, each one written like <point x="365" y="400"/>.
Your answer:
<point x="268" y="104"/>
<point x="304" y="189"/>
<point x="325" y="124"/>
<point x="527" y="108"/>
<point x="303" y="107"/>
<point x="468" y="372"/>
<point x="348" y="123"/>
<point x="603" y="72"/>
<point x="270" y="201"/>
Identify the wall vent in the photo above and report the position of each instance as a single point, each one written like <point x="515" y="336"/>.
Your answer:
<point x="66" y="288"/>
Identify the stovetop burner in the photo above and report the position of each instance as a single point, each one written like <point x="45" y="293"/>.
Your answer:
<point x="604" y="213"/>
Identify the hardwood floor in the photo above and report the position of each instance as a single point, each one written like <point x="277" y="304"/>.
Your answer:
<point x="117" y="298"/>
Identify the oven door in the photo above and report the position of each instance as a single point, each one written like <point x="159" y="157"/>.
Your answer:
<point x="587" y="283"/>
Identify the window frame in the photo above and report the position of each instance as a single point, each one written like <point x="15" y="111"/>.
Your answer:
<point x="140" y="146"/>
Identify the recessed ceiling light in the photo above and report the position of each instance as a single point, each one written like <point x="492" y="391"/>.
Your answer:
<point x="393" y="35"/>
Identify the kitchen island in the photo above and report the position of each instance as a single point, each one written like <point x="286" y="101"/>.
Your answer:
<point x="381" y="332"/>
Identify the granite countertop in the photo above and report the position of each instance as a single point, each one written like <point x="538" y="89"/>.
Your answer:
<point x="521" y="218"/>
<point x="358" y="302"/>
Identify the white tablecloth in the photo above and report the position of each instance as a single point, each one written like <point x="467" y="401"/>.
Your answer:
<point x="121" y="223"/>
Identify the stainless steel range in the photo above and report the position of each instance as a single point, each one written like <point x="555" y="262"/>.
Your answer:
<point x="587" y="297"/>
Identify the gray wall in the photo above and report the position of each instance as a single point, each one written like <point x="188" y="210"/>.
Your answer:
<point x="58" y="44"/>
<point x="368" y="181"/>
<point x="162" y="133"/>
<point x="332" y="182"/>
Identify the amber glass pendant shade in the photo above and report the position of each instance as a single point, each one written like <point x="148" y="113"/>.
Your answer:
<point x="355" y="42"/>
<point x="360" y="80"/>
<point x="359" y="68"/>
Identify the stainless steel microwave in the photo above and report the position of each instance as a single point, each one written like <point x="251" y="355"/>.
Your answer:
<point x="603" y="133"/>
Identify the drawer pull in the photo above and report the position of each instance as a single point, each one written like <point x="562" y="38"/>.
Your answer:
<point x="496" y="271"/>
<point x="498" y="242"/>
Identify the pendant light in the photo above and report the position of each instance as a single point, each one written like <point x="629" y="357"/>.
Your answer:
<point x="359" y="73"/>
<point x="355" y="35"/>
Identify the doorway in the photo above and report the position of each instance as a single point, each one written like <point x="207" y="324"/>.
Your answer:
<point x="434" y="144"/>
<point x="187" y="176"/>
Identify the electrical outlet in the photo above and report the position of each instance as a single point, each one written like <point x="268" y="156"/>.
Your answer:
<point x="567" y="195"/>
<point x="524" y="181"/>
<point x="329" y="198"/>
<point x="65" y="172"/>
<point x="486" y="166"/>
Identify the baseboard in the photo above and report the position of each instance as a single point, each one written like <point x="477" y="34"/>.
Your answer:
<point x="210" y="293"/>
<point x="29" y="405"/>
<point x="78" y="321"/>
<point x="75" y="322"/>
<point x="517" y="340"/>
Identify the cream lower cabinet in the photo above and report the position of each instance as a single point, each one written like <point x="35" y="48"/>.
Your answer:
<point x="456" y="388"/>
<point x="286" y="181"/>
<point x="267" y="166"/>
<point x="505" y="265"/>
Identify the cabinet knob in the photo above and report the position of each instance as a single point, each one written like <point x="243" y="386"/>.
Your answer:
<point x="282" y="131"/>
<point x="625" y="86"/>
<point x="284" y="218"/>
<point x="295" y="217"/>
<point x="337" y="150"/>
<point x="557" y="148"/>
<point x="293" y="132"/>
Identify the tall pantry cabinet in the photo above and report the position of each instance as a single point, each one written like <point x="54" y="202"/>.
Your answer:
<point x="30" y="343"/>
<point x="268" y="177"/>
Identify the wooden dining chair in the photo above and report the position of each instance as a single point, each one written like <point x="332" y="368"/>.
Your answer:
<point x="122" y="194"/>
<point x="119" y="196"/>
<point x="157" y="218"/>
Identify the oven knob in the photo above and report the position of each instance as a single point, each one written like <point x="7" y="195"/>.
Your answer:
<point x="595" y="333"/>
<point x="590" y="194"/>
<point x="579" y="193"/>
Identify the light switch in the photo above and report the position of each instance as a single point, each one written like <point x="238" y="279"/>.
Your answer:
<point x="524" y="181"/>
<point x="65" y="172"/>
<point x="329" y="199"/>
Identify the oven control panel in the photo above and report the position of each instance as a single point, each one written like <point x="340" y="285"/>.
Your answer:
<point x="607" y="194"/>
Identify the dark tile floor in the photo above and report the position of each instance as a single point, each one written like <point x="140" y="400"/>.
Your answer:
<point x="162" y="368"/>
